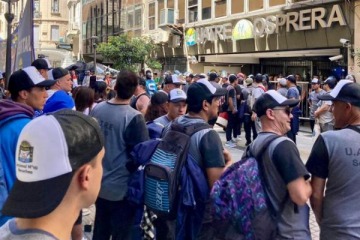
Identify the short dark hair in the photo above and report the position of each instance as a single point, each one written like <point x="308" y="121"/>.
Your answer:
<point x="196" y="108"/>
<point x="126" y="84"/>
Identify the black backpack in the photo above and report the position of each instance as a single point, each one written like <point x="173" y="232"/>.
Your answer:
<point x="162" y="173"/>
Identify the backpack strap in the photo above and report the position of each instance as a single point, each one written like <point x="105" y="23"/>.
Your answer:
<point x="191" y="129"/>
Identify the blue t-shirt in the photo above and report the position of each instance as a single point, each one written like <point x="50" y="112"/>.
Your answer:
<point x="151" y="87"/>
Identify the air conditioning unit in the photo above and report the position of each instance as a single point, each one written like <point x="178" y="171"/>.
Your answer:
<point x="167" y="16"/>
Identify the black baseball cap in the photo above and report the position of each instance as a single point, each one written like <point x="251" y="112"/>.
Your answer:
<point x="159" y="98"/>
<point x="203" y="90"/>
<point x="59" y="72"/>
<point x="344" y="91"/>
<point x="27" y="78"/>
<point x="291" y="78"/>
<point x="49" y="150"/>
<point x="270" y="100"/>
<point x="41" y="63"/>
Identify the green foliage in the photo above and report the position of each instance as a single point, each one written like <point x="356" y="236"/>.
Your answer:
<point x="127" y="52"/>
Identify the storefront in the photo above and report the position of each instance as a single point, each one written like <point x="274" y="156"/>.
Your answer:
<point x="290" y="41"/>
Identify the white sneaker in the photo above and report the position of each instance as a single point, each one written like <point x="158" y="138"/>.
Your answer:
<point x="230" y="144"/>
<point x="238" y="138"/>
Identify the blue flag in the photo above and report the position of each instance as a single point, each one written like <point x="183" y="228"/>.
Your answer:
<point x="23" y="39"/>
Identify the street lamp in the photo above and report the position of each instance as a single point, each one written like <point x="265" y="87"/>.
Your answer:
<point x="9" y="18"/>
<point x="94" y="44"/>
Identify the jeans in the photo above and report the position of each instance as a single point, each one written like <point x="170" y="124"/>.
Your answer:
<point x="113" y="219"/>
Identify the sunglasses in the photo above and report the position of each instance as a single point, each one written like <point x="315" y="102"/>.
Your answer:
<point x="287" y="110"/>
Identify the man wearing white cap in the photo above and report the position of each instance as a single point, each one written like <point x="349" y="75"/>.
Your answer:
<point x="27" y="88"/>
<point x="176" y="107"/>
<point x="334" y="164"/>
<point x="313" y="100"/>
<point x="171" y="82"/>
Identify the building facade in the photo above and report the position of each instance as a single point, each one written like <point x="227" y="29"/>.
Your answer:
<point x="73" y="33"/>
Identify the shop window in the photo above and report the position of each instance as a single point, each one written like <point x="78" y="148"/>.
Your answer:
<point x="256" y="5"/>
<point x="220" y="8"/>
<point x="192" y="11"/>
<point x="237" y="6"/>
<point x="206" y="9"/>
<point x="151" y="16"/>
<point x="273" y="3"/>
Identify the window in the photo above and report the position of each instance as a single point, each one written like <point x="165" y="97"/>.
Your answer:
<point x="181" y="8"/>
<point x="36" y="6"/>
<point x="55" y="33"/>
<point x="151" y="16"/>
<point x="161" y="5"/>
<point x="130" y="18"/>
<point x="55" y="6"/>
<point x="237" y="6"/>
<point x="138" y="16"/>
<point x="220" y="8"/>
<point x="193" y="11"/>
<point x="206" y="9"/>
<point x="256" y="5"/>
<point x="276" y="2"/>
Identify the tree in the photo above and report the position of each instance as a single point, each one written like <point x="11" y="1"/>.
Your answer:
<point x="127" y="52"/>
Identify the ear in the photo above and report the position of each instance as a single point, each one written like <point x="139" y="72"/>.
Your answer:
<point x="270" y="114"/>
<point x="205" y="105"/>
<point x="83" y="177"/>
<point x="23" y="94"/>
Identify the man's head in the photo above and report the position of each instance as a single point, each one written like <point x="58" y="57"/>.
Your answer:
<point x="291" y="80"/>
<point x="141" y="86"/>
<point x="249" y="81"/>
<point x="148" y="74"/>
<point x="330" y="83"/>
<point x="233" y="80"/>
<point x="346" y="102"/>
<point x="315" y="84"/>
<point x="42" y="65"/>
<point x="282" y="82"/>
<point x="171" y="82"/>
<point x="27" y="86"/>
<point x="273" y="109"/>
<point x="62" y="78"/>
<point x="58" y="160"/>
<point x="203" y="97"/>
<point x="213" y="77"/>
<point x="189" y="77"/>
<point x="258" y="78"/>
<point x="176" y="103"/>
<point x="126" y="83"/>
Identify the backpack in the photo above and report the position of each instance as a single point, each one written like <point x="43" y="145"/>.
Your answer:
<point x="239" y="199"/>
<point x="157" y="182"/>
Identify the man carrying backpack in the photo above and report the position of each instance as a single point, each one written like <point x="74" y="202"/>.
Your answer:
<point x="207" y="154"/>
<point x="288" y="189"/>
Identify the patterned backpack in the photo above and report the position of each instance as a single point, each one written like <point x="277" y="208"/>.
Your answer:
<point x="239" y="198"/>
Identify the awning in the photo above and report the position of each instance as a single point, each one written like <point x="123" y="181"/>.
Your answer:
<point x="253" y="58"/>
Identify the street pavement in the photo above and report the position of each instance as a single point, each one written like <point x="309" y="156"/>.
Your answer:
<point x="304" y="143"/>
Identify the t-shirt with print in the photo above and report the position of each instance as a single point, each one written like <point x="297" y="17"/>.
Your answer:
<point x="327" y="116"/>
<point x="9" y="231"/>
<point x="335" y="156"/>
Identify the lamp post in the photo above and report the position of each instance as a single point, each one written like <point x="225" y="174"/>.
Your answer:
<point x="9" y="18"/>
<point x="94" y="44"/>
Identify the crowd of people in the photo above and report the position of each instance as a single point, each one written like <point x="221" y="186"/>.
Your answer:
<point x="66" y="144"/>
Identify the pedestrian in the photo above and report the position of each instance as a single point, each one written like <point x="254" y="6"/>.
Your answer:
<point x="171" y="82"/>
<point x="84" y="99"/>
<point x="2" y="87"/>
<point x="189" y="80"/>
<point x="323" y="113"/>
<point x="314" y="100"/>
<point x="27" y="89"/>
<point x="293" y="93"/>
<point x="58" y="94"/>
<point x="231" y="111"/>
<point x="249" y="124"/>
<point x="282" y="87"/>
<point x="206" y="147"/>
<point x="141" y="99"/>
<point x="334" y="165"/>
<point x="151" y="86"/>
<point x="289" y="188"/>
<point x="123" y="128"/>
<point x="257" y="91"/>
<point x="49" y="192"/>
<point x="43" y="66"/>
<point x="176" y="106"/>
